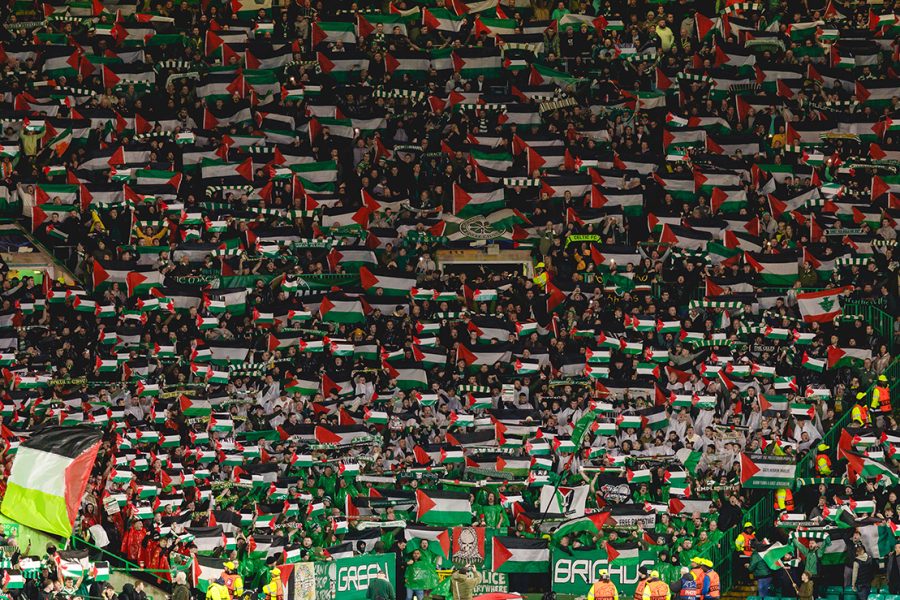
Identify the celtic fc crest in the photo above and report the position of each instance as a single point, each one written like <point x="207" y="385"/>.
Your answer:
<point x="480" y="228"/>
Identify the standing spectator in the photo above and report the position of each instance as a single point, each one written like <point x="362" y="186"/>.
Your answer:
<point x="380" y="588"/>
<point x="181" y="591"/>
<point x="761" y="572"/>
<point x="463" y="582"/>
<point x="892" y="570"/>
<point x="863" y="573"/>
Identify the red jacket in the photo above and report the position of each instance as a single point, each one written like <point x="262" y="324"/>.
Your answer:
<point x="132" y="543"/>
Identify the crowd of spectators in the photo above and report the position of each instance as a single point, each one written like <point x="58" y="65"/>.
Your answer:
<point x="683" y="223"/>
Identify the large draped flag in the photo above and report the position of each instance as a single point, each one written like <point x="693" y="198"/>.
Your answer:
<point x="49" y="475"/>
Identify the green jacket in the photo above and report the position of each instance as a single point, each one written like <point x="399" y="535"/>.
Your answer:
<point x="380" y="589"/>
<point x="759" y="568"/>
<point x="814" y="558"/>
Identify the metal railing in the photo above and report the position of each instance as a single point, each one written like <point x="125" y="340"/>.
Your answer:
<point x="881" y="321"/>
<point x="725" y="565"/>
<point x="117" y="562"/>
<point x="724" y="555"/>
<point x="76" y="542"/>
<point x="762" y="514"/>
<point x="806" y="465"/>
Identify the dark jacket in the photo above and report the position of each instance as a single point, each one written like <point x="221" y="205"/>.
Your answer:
<point x="892" y="572"/>
<point x="181" y="592"/>
<point x="758" y="567"/>
<point x="863" y="570"/>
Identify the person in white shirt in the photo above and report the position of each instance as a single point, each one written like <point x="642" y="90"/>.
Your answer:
<point x="363" y="390"/>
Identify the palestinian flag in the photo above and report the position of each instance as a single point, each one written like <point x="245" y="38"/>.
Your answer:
<point x="341" y="311"/>
<point x="684" y="237"/>
<point x="48" y="478"/>
<point x="593" y="523"/>
<point x="865" y="467"/>
<point x="821" y="306"/>
<point x="875" y="90"/>
<point x="813" y="364"/>
<point x="774" y="269"/>
<point x="13" y="580"/>
<point x="306" y="387"/>
<point x="73" y="563"/>
<point x="247" y="10"/>
<point x="436" y="507"/>
<point x="543" y="75"/>
<point x="205" y="570"/>
<point x="773" y="554"/>
<point x="375" y="417"/>
<point x="765" y="471"/>
<point x="441" y="19"/>
<point x="470" y="61"/>
<point x="478" y="198"/>
<point x="847" y="357"/>
<point x="41" y="214"/>
<point x="391" y="285"/>
<point x="427" y="356"/>
<point x="333" y="31"/>
<point x="622" y="552"/>
<point x="194" y="407"/>
<point x="409" y="377"/>
<point x="518" y="555"/>
<point x="836" y="536"/>
<point x="438" y="537"/>
<point x="639" y="476"/>
<point x="487" y="355"/>
<point x="656" y="418"/>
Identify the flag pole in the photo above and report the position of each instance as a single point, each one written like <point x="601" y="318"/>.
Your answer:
<point x="556" y="487"/>
<point x="791" y="579"/>
<point x="568" y="462"/>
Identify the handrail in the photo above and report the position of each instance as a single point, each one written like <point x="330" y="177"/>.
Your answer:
<point x="762" y="515"/>
<point x="119" y="559"/>
<point x="881" y="321"/>
<point x="156" y="577"/>
<point x="806" y="464"/>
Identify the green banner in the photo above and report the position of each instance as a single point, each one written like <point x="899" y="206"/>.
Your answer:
<point x="492" y="582"/>
<point x="324" y="281"/>
<point x="244" y="281"/>
<point x="349" y="578"/>
<point x="768" y="471"/>
<point x="575" y="571"/>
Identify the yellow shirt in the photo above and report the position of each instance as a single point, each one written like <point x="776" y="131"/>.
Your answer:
<point x="216" y="592"/>
<point x="666" y="36"/>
